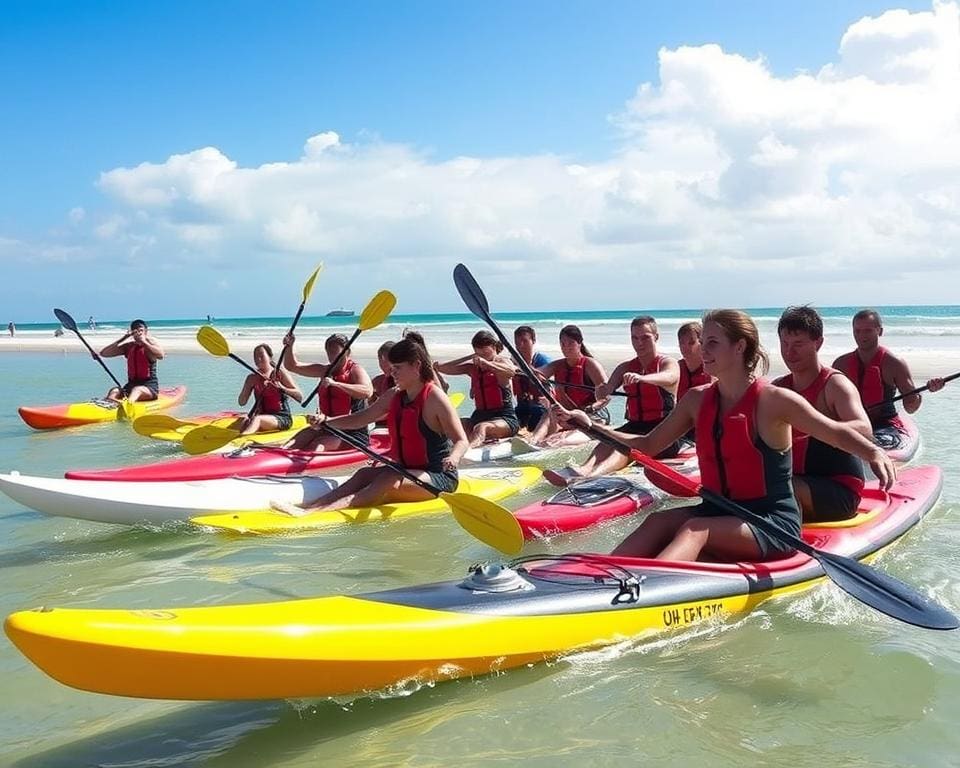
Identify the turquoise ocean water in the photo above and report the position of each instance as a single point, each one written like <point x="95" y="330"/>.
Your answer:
<point x="811" y="680"/>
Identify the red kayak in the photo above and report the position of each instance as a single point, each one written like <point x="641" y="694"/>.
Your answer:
<point x="583" y="504"/>
<point x="244" y="462"/>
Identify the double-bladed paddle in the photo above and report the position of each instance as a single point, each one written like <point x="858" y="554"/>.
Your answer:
<point x="307" y="290"/>
<point x="376" y="311"/>
<point x="871" y="587"/>
<point x="70" y="324"/>
<point x="210" y="437"/>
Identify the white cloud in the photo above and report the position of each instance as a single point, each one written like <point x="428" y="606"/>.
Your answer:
<point x="726" y="170"/>
<point x="76" y="215"/>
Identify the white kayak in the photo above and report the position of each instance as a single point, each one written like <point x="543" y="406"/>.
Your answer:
<point x="519" y="448"/>
<point x="154" y="503"/>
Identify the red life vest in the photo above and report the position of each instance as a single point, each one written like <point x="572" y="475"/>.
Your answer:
<point x="647" y="402"/>
<point x="336" y="402"/>
<point x="139" y="366"/>
<point x="272" y="400"/>
<point x="868" y="378"/>
<point x="690" y="379"/>
<point x="523" y="388"/>
<point x="382" y="383"/>
<point x="487" y="392"/>
<point x="412" y="443"/>
<point x="565" y="373"/>
<point x="814" y="457"/>
<point x="734" y="460"/>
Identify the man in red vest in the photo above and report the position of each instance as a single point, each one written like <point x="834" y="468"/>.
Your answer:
<point x="878" y="374"/>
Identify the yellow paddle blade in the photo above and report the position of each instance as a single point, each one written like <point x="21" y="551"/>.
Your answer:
<point x="126" y="409"/>
<point x="212" y="340"/>
<point x="457" y="398"/>
<point x="308" y="286"/>
<point x="151" y="423"/>
<point x="377" y="310"/>
<point x="207" y="438"/>
<point x="486" y="521"/>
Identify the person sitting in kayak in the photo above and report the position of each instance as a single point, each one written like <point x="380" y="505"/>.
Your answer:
<point x="272" y="388"/>
<point x="142" y="352"/>
<point x="342" y="391"/>
<point x="426" y="437"/>
<point x="743" y="446"/>
<point x="490" y="375"/>
<point x="650" y="382"/>
<point x="691" y="368"/>
<point x="827" y="481"/>
<point x="383" y="381"/>
<point x="580" y="369"/>
<point x="529" y="408"/>
<point x="877" y="374"/>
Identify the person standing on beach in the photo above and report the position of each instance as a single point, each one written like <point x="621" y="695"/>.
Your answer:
<point x="827" y="481"/>
<point x="529" y="408"/>
<point x="142" y="352"/>
<point x="342" y="391"/>
<point x="650" y="382"/>
<point x="11" y="328"/>
<point x="91" y="323"/>
<point x="877" y="374"/>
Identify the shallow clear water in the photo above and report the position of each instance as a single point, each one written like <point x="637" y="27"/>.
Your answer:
<point x="811" y="680"/>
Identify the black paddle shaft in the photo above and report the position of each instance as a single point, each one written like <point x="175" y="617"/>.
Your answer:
<point x="387" y="462"/>
<point x="476" y="302"/>
<point x="332" y="367"/>
<point x="878" y="590"/>
<point x="912" y="392"/>
<point x="69" y="323"/>
<point x="576" y="386"/>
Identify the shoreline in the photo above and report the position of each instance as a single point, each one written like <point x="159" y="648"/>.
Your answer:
<point x="924" y="364"/>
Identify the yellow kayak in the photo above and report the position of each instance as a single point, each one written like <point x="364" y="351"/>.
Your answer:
<point x="264" y="438"/>
<point x="95" y="411"/>
<point x="500" y="616"/>
<point x="493" y="484"/>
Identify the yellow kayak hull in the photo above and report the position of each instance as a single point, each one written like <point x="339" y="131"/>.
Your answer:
<point x="95" y="411"/>
<point x="492" y="484"/>
<point x="263" y="438"/>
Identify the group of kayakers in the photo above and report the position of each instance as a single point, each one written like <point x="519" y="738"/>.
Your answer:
<point x="788" y="450"/>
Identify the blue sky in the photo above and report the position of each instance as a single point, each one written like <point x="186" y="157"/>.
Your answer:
<point x="91" y="88"/>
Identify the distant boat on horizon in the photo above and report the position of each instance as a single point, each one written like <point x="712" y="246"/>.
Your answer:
<point x="341" y="313"/>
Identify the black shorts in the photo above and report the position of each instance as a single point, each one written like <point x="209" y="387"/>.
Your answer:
<point x="445" y="482"/>
<point x="508" y="415"/>
<point x="284" y="420"/>
<point x="782" y="513"/>
<point x="529" y="414"/>
<point x="152" y="384"/>
<point x="641" y="428"/>
<point x="832" y="500"/>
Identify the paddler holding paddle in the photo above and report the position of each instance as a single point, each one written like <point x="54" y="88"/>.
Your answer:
<point x="426" y="439"/>
<point x="744" y="432"/>
<point x="344" y="388"/>
<point x="877" y="374"/>
<point x="142" y="352"/>
<point x="273" y="387"/>
<point x="827" y="481"/>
